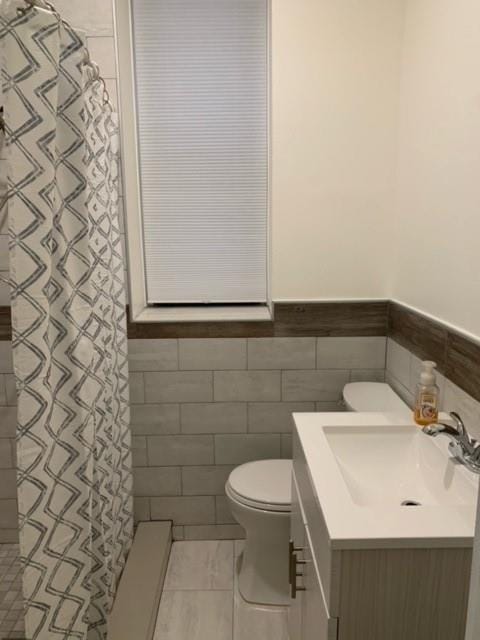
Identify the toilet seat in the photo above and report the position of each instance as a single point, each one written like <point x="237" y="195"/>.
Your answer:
<point x="263" y="484"/>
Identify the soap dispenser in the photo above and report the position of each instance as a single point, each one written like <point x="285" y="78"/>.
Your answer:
<point x="427" y="395"/>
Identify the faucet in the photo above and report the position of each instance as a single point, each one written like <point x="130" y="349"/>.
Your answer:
<point x="462" y="447"/>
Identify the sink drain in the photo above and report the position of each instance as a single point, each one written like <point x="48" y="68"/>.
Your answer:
<point x="411" y="503"/>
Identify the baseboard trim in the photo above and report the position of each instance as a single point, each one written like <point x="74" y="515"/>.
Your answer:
<point x="138" y="597"/>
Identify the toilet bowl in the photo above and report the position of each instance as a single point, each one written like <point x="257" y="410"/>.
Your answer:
<point x="259" y="495"/>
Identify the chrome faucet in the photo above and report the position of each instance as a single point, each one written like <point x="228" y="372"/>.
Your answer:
<point x="462" y="446"/>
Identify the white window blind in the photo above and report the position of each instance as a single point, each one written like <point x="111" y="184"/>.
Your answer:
<point x="201" y="73"/>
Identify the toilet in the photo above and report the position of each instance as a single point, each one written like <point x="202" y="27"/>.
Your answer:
<point x="374" y="396"/>
<point x="259" y="495"/>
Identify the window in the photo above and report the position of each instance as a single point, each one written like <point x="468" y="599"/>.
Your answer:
<point x="194" y="86"/>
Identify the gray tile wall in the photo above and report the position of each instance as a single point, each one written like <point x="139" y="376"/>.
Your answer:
<point x="8" y="417"/>
<point x="202" y="406"/>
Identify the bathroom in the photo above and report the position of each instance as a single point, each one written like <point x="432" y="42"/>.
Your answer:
<point x="259" y="339"/>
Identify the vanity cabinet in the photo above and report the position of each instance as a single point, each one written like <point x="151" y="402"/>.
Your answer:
<point x="348" y="593"/>
<point x="308" y="615"/>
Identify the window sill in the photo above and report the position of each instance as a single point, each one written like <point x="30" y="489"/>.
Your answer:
<point x="243" y="313"/>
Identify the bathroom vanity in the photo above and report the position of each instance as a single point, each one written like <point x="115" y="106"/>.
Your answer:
<point x="381" y="532"/>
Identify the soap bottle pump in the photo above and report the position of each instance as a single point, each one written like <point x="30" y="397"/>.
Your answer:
<point x="427" y="395"/>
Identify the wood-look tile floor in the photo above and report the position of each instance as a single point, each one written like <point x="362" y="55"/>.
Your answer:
<point x="201" y="600"/>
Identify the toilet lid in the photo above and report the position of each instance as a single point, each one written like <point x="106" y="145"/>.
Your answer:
<point x="264" y="483"/>
<point x="373" y="396"/>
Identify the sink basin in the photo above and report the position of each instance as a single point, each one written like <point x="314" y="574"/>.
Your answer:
<point x="380" y="482"/>
<point x="398" y="466"/>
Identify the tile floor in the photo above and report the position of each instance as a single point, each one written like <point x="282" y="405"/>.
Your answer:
<point x="201" y="601"/>
<point x="11" y="604"/>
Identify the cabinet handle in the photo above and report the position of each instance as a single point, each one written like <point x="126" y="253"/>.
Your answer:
<point x="294" y="575"/>
<point x="292" y="549"/>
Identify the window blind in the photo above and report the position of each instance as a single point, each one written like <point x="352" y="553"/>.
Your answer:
<point x="201" y="73"/>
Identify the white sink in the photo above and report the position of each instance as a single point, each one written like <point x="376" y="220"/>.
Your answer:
<point x="398" y="466"/>
<point x="366" y="467"/>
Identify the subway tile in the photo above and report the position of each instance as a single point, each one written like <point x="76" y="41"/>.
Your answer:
<point x="184" y="509"/>
<point x="274" y="417"/>
<point x="214" y="532"/>
<point x="153" y="355"/>
<point x="6" y="360"/>
<point x="398" y="362"/>
<point x="225" y="417"/>
<point x="237" y="449"/>
<point x="5" y="299"/>
<point x="221" y="353"/>
<point x="223" y="514"/>
<point x="286" y="446"/>
<point x="141" y="509"/>
<point x="3" y="390"/>
<point x="91" y="16"/>
<point x="139" y="451"/>
<point x="178" y="533"/>
<point x="8" y="535"/>
<point x="4" y="253"/>
<point x="181" y="386"/>
<point x="231" y="386"/>
<point x="367" y="375"/>
<point x="8" y="422"/>
<point x="155" y="419"/>
<point x="102" y="51"/>
<point x="327" y="407"/>
<point x="314" y="385"/>
<point x="6" y="453"/>
<point x="205" y="480"/>
<point x="137" y="388"/>
<point x="8" y="514"/>
<point x="281" y="353"/>
<point x="351" y="353"/>
<point x="180" y="450"/>
<point x="8" y="484"/>
<point x="157" y="481"/>
<point x="404" y="393"/>
<point x="10" y="389"/>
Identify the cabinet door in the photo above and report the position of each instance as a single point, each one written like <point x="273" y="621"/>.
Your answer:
<point x="297" y="539"/>
<point x="316" y="625"/>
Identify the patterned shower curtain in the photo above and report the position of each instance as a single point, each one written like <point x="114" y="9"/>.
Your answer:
<point x="69" y="328"/>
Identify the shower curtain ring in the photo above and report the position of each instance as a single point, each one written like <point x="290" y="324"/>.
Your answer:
<point x="30" y="4"/>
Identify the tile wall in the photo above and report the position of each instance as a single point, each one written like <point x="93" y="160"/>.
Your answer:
<point x="201" y="407"/>
<point x="8" y="418"/>
<point x="403" y="372"/>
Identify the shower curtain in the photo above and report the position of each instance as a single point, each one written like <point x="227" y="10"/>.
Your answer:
<point x="69" y="328"/>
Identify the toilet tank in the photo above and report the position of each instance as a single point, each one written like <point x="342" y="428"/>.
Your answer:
<point x="373" y="396"/>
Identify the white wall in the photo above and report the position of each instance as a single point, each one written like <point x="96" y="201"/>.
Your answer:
<point x="339" y="231"/>
<point x="335" y="105"/>
<point x="437" y="225"/>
